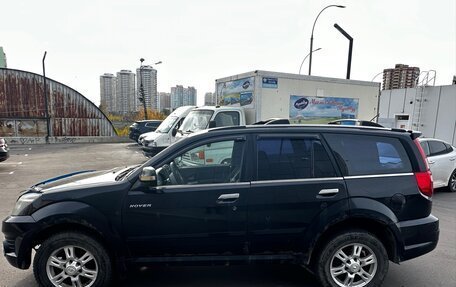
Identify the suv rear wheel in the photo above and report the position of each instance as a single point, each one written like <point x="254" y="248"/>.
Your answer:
<point x="72" y="259"/>
<point x="355" y="259"/>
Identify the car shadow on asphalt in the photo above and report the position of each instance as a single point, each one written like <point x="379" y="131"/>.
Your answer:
<point x="220" y="276"/>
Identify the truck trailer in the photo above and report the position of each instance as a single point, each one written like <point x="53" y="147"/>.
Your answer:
<point x="299" y="98"/>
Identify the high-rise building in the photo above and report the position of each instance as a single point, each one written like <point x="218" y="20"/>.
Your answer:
<point x="181" y="96"/>
<point x="108" y="87"/>
<point x="148" y="75"/>
<point x="177" y="97"/>
<point x="402" y="76"/>
<point x="210" y="99"/>
<point x="2" y="58"/>
<point x="189" y="97"/>
<point x="126" y="97"/>
<point x="164" y="101"/>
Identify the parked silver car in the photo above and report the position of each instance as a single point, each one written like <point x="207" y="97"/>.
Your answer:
<point x="442" y="161"/>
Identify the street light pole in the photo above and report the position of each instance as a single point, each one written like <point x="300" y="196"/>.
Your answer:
<point x="46" y="107"/>
<point x="141" y="89"/>
<point x="350" y="48"/>
<point x="300" y="67"/>
<point x="311" y="36"/>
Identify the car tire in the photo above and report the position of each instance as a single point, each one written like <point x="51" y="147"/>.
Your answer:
<point x="452" y="182"/>
<point x="72" y="257"/>
<point x="355" y="257"/>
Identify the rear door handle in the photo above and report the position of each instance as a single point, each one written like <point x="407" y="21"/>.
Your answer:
<point x="228" y="198"/>
<point x="431" y="162"/>
<point x="452" y="158"/>
<point x="328" y="192"/>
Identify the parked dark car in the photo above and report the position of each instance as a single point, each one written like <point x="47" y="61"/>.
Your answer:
<point x="343" y="201"/>
<point x="140" y="127"/>
<point x="4" y="151"/>
<point x="355" y="122"/>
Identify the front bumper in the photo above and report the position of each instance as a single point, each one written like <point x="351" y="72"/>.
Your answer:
<point x="419" y="236"/>
<point x="17" y="246"/>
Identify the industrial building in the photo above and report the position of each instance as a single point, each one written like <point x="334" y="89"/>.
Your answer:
<point x="429" y="109"/>
<point x="31" y="111"/>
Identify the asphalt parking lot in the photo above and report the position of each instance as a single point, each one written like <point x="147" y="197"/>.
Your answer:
<point x="30" y="164"/>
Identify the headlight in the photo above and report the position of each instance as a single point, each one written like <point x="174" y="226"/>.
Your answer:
<point x="24" y="203"/>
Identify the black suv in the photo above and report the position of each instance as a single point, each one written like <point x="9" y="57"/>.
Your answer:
<point x="140" y="127"/>
<point x="343" y="201"/>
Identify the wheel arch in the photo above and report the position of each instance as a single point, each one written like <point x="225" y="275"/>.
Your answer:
<point x="377" y="228"/>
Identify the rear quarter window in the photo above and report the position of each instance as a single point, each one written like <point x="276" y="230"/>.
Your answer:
<point x="368" y="155"/>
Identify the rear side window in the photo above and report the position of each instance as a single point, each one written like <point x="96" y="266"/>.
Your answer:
<point x="292" y="158"/>
<point x="425" y="147"/>
<point x="224" y="119"/>
<point x="437" y="148"/>
<point x="369" y="155"/>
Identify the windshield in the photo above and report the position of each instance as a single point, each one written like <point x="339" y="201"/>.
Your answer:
<point x="167" y="124"/>
<point x="196" y="121"/>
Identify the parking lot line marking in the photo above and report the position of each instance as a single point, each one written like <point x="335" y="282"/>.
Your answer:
<point x="11" y="172"/>
<point x="26" y="154"/>
<point x="11" y="163"/>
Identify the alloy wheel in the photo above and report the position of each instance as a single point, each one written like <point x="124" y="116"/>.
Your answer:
<point x="72" y="266"/>
<point x="353" y="265"/>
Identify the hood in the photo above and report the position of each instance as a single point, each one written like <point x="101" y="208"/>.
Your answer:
<point x="81" y="179"/>
<point x="151" y="136"/>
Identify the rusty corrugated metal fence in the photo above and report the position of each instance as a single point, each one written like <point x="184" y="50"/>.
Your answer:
<point x="23" y="111"/>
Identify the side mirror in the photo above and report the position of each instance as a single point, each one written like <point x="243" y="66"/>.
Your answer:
<point x="174" y="132"/>
<point x="149" y="176"/>
<point x="212" y="124"/>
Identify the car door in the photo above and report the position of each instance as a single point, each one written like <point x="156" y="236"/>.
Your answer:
<point x="198" y="206"/>
<point x="440" y="161"/>
<point x="296" y="183"/>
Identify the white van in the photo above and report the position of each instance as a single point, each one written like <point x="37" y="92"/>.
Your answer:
<point x="164" y="135"/>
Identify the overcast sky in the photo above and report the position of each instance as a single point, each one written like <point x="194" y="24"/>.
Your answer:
<point x="202" y="40"/>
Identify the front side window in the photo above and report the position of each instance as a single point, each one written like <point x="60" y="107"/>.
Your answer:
<point x="218" y="162"/>
<point x="425" y="147"/>
<point x="292" y="158"/>
<point x="369" y="155"/>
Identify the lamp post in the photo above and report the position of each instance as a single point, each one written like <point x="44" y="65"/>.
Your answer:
<point x="46" y="107"/>
<point x="300" y="67"/>
<point x="350" y="48"/>
<point x="142" y="99"/>
<point x="142" y="96"/>
<point x="311" y="36"/>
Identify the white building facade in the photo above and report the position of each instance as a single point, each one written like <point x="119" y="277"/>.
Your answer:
<point x="148" y="77"/>
<point x="429" y="109"/>
<point x="108" y="86"/>
<point x="126" y="97"/>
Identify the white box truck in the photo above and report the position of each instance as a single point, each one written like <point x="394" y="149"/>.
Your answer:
<point x="299" y="98"/>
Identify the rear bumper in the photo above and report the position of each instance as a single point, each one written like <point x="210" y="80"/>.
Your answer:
<point x="4" y="155"/>
<point x="419" y="236"/>
<point x="17" y="246"/>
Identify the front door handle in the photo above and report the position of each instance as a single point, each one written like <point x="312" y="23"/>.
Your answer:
<point x="431" y="162"/>
<point x="328" y="192"/>
<point x="228" y="198"/>
<point x="452" y="158"/>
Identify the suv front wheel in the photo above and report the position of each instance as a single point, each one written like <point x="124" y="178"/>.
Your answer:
<point x="72" y="259"/>
<point x="353" y="259"/>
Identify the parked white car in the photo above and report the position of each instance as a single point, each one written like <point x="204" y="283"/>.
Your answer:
<point x="442" y="161"/>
